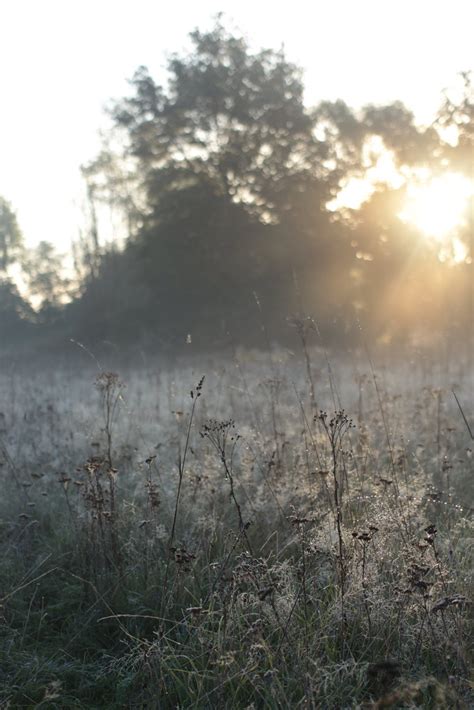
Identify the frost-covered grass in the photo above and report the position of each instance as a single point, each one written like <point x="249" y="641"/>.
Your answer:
<point x="276" y="535"/>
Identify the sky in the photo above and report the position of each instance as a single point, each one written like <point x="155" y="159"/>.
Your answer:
<point x="62" y="61"/>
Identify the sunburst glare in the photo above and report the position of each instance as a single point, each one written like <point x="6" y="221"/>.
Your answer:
<point x="437" y="207"/>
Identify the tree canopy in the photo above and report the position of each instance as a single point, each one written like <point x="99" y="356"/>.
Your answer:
<point x="225" y="178"/>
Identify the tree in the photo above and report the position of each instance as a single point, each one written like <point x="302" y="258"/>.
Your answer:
<point x="350" y="137"/>
<point x="227" y="175"/>
<point x="456" y="116"/>
<point x="234" y="181"/>
<point x="111" y="180"/>
<point x="44" y="271"/>
<point x="10" y="235"/>
<point x="230" y="117"/>
<point x="411" y="145"/>
<point x="15" y="313"/>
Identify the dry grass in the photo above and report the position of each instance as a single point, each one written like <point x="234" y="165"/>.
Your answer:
<point x="282" y="534"/>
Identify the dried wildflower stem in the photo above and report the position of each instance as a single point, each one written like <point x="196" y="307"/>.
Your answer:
<point x="335" y="430"/>
<point x="365" y="544"/>
<point x="304" y="573"/>
<point x="431" y="539"/>
<point x="109" y="385"/>
<point x="308" y="428"/>
<point x="13" y="469"/>
<point x="252" y="406"/>
<point x="385" y="424"/>
<point x="267" y="482"/>
<point x="222" y="436"/>
<point x="230" y="477"/>
<point x="419" y="640"/>
<point x="287" y="625"/>
<point x="403" y="532"/>
<point x="438" y="430"/>
<point x="181" y="466"/>
<point x="309" y="373"/>
<point x="463" y="415"/>
<point x="336" y="399"/>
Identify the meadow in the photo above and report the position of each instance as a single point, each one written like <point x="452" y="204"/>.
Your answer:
<point x="280" y="529"/>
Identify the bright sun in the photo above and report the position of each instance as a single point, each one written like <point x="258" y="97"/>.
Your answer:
<point x="437" y="206"/>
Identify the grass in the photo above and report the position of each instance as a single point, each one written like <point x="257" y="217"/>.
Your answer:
<point x="238" y="541"/>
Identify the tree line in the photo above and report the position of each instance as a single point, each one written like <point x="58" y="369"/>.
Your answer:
<point x="226" y="184"/>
